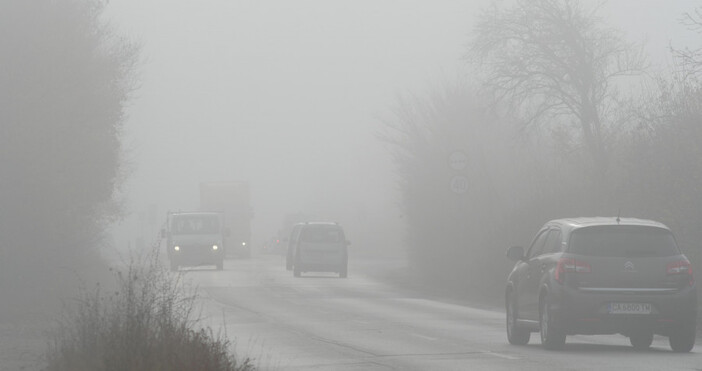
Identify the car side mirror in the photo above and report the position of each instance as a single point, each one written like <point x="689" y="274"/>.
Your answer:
<point x="515" y="253"/>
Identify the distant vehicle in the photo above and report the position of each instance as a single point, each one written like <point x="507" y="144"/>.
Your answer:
<point x="233" y="200"/>
<point x="321" y="247"/>
<point x="286" y="230"/>
<point x="290" y="244"/>
<point x="602" y="276"/>
<point x="195" y="238"/>
<point x="274" y="245"/>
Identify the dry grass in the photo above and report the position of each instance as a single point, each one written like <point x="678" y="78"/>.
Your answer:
<point x="146" y="323"/>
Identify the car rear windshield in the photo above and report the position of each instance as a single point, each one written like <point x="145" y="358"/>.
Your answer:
<point x="321" y="235"/>
<point x="623" y="241"/>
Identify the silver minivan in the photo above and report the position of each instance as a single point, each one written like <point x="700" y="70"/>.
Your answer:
<point x="320" y="247"/>
<point x="292" y="241"/>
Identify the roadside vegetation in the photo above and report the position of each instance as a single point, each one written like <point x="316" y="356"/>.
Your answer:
<point x="147" y="322"/>
<point x="65" y="81"/>
<point x="66" y="77"/>
<point x="558" y="117"/>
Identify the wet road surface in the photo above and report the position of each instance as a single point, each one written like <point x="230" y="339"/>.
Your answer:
<point x="320" y="322"/>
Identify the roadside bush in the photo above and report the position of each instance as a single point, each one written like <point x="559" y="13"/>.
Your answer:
<point x="146" y="323"/>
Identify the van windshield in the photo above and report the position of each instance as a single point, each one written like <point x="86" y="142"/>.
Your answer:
<point x="623" y="241"/>
<point x="195" y="224"/>
<point x="321" y="235"/>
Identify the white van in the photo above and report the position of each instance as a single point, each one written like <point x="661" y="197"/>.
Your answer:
<point x="321" y="247"/>
<point x="195" y="238"/>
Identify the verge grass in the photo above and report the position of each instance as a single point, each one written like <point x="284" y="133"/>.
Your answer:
<point x="147" y="322"/>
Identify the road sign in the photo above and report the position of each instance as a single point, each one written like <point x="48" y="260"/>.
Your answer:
<point x="458" y="160"/>
<point x="459" y="184"/>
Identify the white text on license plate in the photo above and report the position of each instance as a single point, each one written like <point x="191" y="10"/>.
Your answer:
<point x="629" y="308"/>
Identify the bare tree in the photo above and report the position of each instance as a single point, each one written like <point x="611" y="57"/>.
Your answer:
<point x="556" y="61"/>
<point x="691" y="59"/>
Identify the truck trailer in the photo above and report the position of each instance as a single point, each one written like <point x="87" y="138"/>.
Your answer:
<point x="232" y="199"/>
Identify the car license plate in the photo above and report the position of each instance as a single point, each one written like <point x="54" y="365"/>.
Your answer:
<point x="629" y="308"/>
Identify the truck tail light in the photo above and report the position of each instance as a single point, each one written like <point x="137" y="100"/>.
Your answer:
<point x="570" y="265"/>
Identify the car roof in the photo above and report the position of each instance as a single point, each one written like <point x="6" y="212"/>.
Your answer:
<point x="188" y="213"/>
<point x="576" y="223"/>
<point x="335" y="224"/>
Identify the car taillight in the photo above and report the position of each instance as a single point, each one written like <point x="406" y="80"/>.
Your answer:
<point x="681" y="267"/>
<point x="570" y="265"/>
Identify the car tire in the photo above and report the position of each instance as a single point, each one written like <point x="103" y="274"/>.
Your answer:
<point x="641" y="340"/>
<point x="552" y="337"/>
<point x="297" y="268"/>
<point x="682" y="340"/>
<point x="288" y="264"/>
<point x="515" y="335"/>
<point x="220" y="265"/>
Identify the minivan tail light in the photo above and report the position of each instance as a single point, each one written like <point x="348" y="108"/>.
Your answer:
<point x="572" y="265"/>
<point x="681" y="267"/>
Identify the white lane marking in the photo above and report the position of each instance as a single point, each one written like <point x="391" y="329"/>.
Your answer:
<point x="499" y="355"/>
<point x="423" y="337"/>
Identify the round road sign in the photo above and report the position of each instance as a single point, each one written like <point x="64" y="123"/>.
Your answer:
<point x="458" y="160"/>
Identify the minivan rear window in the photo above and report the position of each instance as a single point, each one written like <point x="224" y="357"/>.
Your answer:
<point x="623" y="241"/>
<point x="321" y="235"/>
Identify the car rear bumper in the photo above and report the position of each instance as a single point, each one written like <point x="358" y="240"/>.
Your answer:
<point x="322" y="262"/>
<point x="586" y="312"/>
<point x="321" y="267"/>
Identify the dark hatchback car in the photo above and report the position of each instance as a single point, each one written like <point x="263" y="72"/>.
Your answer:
<point x="601" y="276"/>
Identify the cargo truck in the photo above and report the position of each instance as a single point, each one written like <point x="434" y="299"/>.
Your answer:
<point x="232" y="199"/>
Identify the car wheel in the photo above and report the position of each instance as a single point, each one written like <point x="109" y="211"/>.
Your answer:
<point x="220" y="265"/>
<point x="288" y="263"/>
<point x="515" y="335"/>
<point x="682" y="340"/>
<point x="552" y="337"/>
<point x="641" y="340"/>
<point x="297" y="268"/>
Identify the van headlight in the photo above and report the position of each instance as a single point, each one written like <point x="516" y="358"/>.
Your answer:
<point x="215" y="247"/>
<point x="176" y="248"/>
<point x="243" y="244"/>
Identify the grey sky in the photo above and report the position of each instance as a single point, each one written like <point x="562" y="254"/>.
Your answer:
<point x="287" y="94"/>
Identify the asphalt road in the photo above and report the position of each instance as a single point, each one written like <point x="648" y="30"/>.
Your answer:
<point x="320" y="322"/>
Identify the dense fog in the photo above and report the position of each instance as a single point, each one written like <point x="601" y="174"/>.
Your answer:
<point x="301" y="100"/>
<point x="419" y="126"/>
<point x="291" y="97"/>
